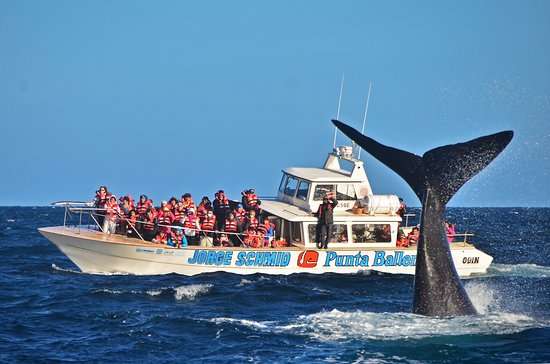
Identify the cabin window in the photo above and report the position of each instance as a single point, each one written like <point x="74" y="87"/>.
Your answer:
<point x="290" y="187"/>
<point x="321" y="191"/>
<point x="303" y="189"/>
<point x="371" y="233"/>
<point x="339" y="233"/>
<point x="296" y="232"/>
<point x="283" y="183"/>
<point x="344" y="191"/>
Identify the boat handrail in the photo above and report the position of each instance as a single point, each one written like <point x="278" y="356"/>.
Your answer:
<point x="178" y="227"/>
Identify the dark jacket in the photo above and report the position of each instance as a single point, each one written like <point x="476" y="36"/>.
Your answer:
<point x="325" y="212"/>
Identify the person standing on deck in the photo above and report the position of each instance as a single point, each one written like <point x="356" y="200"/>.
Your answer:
<point x="325" y="221"/>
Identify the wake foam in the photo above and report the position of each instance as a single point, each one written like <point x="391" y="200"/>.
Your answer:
<point x="189" y="292"/>
<point x="519" y="270"/>
<point x="339" y="325"/>
<point x="68" y="270"/>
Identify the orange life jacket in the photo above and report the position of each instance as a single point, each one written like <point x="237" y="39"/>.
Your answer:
<point x="252" y="223"/>
<point x="112" y="210"/>
<point x="231" y="226"/>
<point x="251" y="199"/>
<point x="208" y="223"/>
<point x="149" y="224"/>
<point x="141" y="208"/>
<point x="190" y="222"/>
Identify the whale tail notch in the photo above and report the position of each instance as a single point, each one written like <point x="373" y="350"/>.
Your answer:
<point x="444" y="169"/>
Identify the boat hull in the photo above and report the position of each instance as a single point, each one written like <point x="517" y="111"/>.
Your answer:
<point x="95" y="252"/>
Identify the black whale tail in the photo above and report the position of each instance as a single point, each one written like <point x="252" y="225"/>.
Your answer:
<point x="435" y="178"/>
<point x="444" y="169"/>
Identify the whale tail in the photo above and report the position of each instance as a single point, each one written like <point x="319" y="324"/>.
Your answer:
<point x="445" y="169"/>
<point x="435" y="178"/>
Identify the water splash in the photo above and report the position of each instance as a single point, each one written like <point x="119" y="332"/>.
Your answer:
<point x="191" y="291"/>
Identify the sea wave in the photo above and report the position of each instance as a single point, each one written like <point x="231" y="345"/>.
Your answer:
<point x="519" y="270"/>
<point x="186" y="292"/>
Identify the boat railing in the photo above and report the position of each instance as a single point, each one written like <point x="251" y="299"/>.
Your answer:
<point x="463" y="241"/>
<point x="407" y="219"/>
<point x="94" y="212"/>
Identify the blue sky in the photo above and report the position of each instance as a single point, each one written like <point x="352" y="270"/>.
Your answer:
<point x="173" y="96"/>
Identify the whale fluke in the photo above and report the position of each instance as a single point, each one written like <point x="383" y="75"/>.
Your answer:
<point x="435" y="178"/>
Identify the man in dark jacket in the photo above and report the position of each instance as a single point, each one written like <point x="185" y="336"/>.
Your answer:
<point x="324" y="221"/>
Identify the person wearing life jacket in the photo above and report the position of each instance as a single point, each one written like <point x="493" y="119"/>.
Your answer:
<point x="101" y="197"/>
<point x="166" y="219"/>
<point x="191" y="227"/>
<point x="142" y="206"/>
<point x="250" y="201"/>
<point x="267" y="230"/>
<point x="179" y="214"/>
<point x="413" y="236"/>
<point x="149" y="226"/>
<point x="208" y="224"/>
<point x="112" y="213"/>
<point x="251" y="221"/>
<point x="178" y="238"/>
<point x="188" y="202"/>
<point x="252" y="238"/>
<point x="131" y="224"/>
<point x="240" y="215"/>
<point x="125" y="208"/>
<point x="325" y="221"/>
<point x="231" y="226"/>
<point x="161" y="237"/>
<point x="402" y="241"/>
<point x="402" y="208"/>
<point x="204" y="207"/>
<point x="221" y="208"/>
<point x="224" y="240"/>
<point x="172" y="203"/>
<point x="450" y="231"/>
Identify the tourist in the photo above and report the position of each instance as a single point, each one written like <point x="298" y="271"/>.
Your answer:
<point x="149" y="226"/>
<point x="450" y="231"/>
<point x="231" y="226"/>
<point x="112" y="212"/>
<point x="251" y="221"/>
<point x="250" y="201"/>
<point x="325" y="220"/>
<point x="191" y="227"/>
<point x="221" y="208"/>
<point x="414" y="236"/>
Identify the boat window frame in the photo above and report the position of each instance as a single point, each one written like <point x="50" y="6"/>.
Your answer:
<point x="311" y="238"/>
<point x="367" y="225"/>
<point x="301" y="182"/>
<point x="291" y="178"/>
<point x="282" y="184"/>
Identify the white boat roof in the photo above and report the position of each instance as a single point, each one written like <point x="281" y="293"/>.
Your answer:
<point x="293" y="213"/>
<point x="320" y="174"/>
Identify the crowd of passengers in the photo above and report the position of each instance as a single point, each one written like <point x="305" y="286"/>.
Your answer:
<point x="179" y="222"/>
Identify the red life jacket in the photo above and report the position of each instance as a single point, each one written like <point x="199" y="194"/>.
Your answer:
<point x="252" y="223"/>
<point x="149" y="224"/>
<point x="208" y="223"/>
<point x="102" y="198"/>
<point x="231" y="226"/>
<point x="201" y="211"/>
<point x="240" y="214"/>
<point x="141" y="208"/>
<point x="251" y="199"/>
<point x="112" y="210"/>
<point x="166" y="218"/>
<point x="190" y="222"/>
<point x="177" y="214"/>
<point x="161" y="239"/>
<point x="188" y="204"/>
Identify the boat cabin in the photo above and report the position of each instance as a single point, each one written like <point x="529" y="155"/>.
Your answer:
<point x="361" y="219"/>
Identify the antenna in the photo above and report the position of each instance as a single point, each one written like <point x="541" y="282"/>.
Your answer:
<point x="338" y="111"/>
<point x="365" y="116"/>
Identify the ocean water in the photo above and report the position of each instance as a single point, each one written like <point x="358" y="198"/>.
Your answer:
<point x="50" y="312"/>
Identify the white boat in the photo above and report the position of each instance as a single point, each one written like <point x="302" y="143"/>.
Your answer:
<point x="361" y="242"/>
